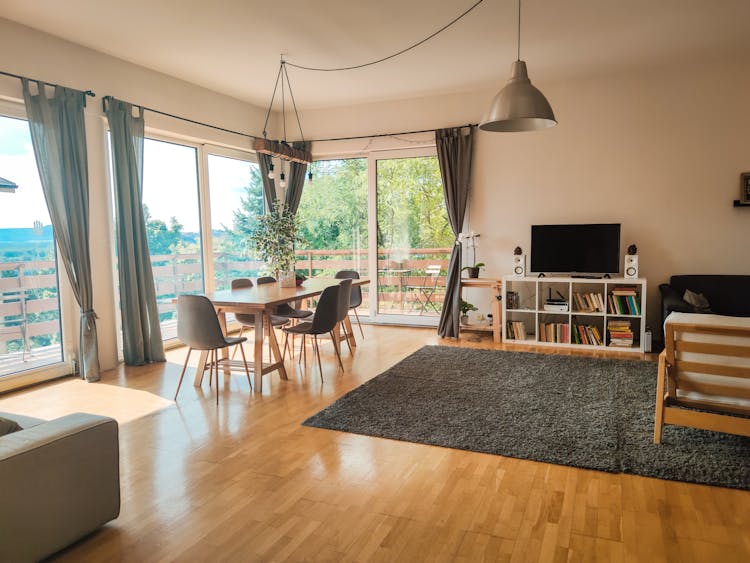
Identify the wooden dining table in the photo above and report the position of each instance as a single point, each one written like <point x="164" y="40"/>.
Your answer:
<point x="262" y="300"/>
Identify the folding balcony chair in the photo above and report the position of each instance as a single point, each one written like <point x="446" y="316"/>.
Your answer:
<point x="424" y="295"/>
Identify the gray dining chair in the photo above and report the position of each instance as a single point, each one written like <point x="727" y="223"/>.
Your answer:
<point x="323" y="322"/>
<point x="355" y="298"/>
<point x="247" y="320"/>
<point x="199" y="329"/>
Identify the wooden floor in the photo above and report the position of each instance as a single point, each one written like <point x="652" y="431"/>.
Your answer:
<point x="246" y="482"/>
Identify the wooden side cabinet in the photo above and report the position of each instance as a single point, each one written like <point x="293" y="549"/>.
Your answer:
<point x="496" y="286"/>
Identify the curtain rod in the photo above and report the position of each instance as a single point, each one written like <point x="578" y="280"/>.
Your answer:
<point x="193" y="121"/>
<point x="386" y="134"/>
<point x="87" y="92"/>
<point x="248" y="135"/>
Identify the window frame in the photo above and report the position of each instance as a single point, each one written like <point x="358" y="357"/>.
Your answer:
<point x="372" y="220"/>
<point x="67" y="307"/>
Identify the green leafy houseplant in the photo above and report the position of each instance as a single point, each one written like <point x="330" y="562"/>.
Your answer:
<point x="465" y="307"/>
<point x="274" y="237"/>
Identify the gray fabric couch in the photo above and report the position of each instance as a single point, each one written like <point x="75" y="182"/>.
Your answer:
<point x="59" y="481"/>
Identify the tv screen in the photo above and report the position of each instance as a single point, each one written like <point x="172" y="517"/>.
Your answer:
<point x="585" y="249"/>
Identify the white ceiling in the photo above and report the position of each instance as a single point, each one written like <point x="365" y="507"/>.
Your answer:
<point x="233" y="46"/>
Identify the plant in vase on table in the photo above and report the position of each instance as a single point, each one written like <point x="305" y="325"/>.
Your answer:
<point x="473" y="271"/>
<point x="471" y="242"/>
<point x="465" y="307"/>
<point x="273" y="242"/>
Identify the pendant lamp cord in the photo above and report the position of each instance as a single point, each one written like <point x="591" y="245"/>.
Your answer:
<point x="518" y="52"/>
<point x="283" y="99"/>
<point x="401" y="52"/>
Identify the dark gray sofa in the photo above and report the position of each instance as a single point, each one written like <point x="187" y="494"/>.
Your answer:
<point x="59" y="481"/>
<point x="727" y="294"/>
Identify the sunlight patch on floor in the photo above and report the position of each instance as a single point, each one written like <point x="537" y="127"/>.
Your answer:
<point x="75" y="395"/>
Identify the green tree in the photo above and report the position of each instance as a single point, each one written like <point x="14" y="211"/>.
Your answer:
<point x="333" y="209"/>
<point x="235" y="239"/>
<point x="162" y="239"/>
<point x="411" y="209"/>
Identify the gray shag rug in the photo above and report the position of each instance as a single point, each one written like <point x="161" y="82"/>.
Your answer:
<point x="578" y="411"/>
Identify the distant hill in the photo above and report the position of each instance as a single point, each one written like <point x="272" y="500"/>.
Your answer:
<point x="26" y="235"/>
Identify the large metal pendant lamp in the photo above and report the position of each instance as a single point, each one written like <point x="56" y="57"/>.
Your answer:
<point x="519" y="106"/>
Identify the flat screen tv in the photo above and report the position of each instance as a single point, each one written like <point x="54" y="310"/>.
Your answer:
<point x="581" y="249"/>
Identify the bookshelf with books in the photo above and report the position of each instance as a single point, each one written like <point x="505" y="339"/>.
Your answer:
<point x="597" y="314"/>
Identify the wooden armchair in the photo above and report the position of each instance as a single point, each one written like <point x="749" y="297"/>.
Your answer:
<point x="705" y="365"/>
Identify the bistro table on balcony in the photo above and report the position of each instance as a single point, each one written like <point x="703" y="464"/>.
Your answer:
<point x="261" y="300"/>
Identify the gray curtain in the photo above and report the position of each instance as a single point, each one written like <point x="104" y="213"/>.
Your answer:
<point x="141" y="332"/>
<point x="58" y="135"/>
<point x="269" y="185"/>
<point x="454" y="150"/>
<point x="296" y="183"/>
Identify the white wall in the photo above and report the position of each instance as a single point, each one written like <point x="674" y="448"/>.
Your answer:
<point x="659" y="151"/>
<point x="44" y="57"/>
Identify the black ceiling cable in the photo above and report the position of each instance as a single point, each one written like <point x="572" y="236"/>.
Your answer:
<point x="401" y="52"/>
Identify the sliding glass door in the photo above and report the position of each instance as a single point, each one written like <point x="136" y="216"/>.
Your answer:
<point x="414" y="238"/>
<point x="30" y="330"/>
<point x="236" y="199"/>
<point x="333" y="220"/>
<point x="173" y="224"/>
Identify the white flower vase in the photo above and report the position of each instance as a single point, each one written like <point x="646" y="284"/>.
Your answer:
<point x="287" y="279"/>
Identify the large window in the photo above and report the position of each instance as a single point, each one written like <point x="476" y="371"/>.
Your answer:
<point x="395" y="198"/>
<point x="30" y="331"/>
<point x="173" y="225"/>
<point x="333" y="220"/>
<point x="236" y="193"/>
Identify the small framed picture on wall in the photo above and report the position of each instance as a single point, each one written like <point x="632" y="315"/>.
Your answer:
<point x="745" y="187"/>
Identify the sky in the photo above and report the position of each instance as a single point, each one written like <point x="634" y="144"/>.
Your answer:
<point x="17" y="164"/>
<point x="170" y="181"/>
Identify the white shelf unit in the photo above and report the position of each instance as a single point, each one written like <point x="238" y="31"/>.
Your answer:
<point x="532" y="292"/>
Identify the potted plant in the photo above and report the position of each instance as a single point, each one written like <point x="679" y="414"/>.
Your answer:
<point x="465" y="307"/>
<point x="273" y="241"/>
<point x="473" y="271"/>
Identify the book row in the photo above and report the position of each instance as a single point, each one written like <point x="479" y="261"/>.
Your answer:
<point x="623" y="304"/>
<point x="516" y="330"/>
<point x="554" y="332"/>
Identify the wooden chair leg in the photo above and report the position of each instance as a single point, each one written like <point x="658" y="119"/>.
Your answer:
<point x="359" y="323"/>
<point x="286" y="345"/>
<point x="303" y="352"/>
<point x="346" y="337"/>
<point x="336" y="349"/>
<point x="247" y="371"/>
<point x="210" y="368"/>
<point x="216" y="367"/>
<point x="659" y="416"/>
<point x="184" y="367"/>
<point x="242" y="329"/>
<point x="317" y="353"/>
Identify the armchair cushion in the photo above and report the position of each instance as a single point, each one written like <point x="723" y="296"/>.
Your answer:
<point x="60" y="481"/>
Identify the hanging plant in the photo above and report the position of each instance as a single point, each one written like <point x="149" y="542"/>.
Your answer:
<point x="274" y="238"/>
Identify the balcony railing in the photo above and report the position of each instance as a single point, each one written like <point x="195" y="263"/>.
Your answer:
<point x="29" y="315"/>
<point x="29" y="304"/>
